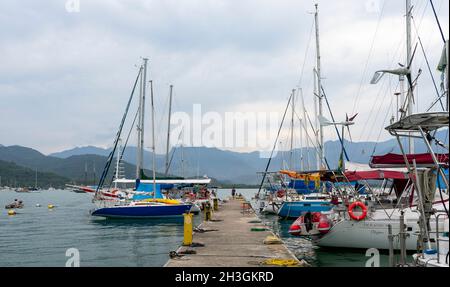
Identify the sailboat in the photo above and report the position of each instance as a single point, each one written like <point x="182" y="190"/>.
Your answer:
<point x="34" y="189"/>
<point x="408" y="220"/>
<point x="146" y="200"/>
<point x="308" y="185"/>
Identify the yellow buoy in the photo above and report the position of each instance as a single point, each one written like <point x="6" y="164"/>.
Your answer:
<point x="50" y="206"/>
<point x="11" y="212"/>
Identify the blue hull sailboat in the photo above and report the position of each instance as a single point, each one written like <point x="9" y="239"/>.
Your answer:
<point x="294" y="209"/>
<point x="147" y="200"/>
<point x="143" y="211"/>
<point x="144" y="204"/>
<point x="308" y="186"/>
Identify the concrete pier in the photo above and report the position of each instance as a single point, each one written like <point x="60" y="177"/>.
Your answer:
<point x="232" y="238"/>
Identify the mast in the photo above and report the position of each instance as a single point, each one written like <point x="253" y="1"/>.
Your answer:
<point x="168" y="130"/>
<point x="35" y="180"/>
<point x="301" y="146"/>
<point x="85" y="173"/>
<point x="153" y="139"/>
<point x="95" y="176"/>
<point x="144" y="85"/>
<point x="182" y="161"/>
<point x="118" y="162"/>
<point x="408" y="64"/>
<point x="139" y="129"/>
<point x="182" y="154"/>
<point x="316" y="120"/>
<point x="446" y="74"/>
<point x="304" y="126"/>
<point x="300" y="91"/>
<point x="319" y="87"/>
<point x="291" y="153"/>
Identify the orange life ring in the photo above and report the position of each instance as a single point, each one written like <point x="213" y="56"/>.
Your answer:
<point x="362" y="206"/>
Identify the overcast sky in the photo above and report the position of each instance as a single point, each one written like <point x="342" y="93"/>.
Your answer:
<point x="65" y="76"/>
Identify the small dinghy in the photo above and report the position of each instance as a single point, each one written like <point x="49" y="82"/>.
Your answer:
<point x="311" y="224"/>
<point x="14" y="205"/>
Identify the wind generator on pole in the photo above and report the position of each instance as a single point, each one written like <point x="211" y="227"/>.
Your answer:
<point x="405" y="70"/>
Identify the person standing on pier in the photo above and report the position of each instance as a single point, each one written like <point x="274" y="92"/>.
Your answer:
<point x="233" y="192"/>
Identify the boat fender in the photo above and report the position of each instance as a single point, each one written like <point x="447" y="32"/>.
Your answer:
<point x="295" y="229"/>
<point x="360" y="205"/>
<point x="271" y="239"/>
<point x="324" y="226"/>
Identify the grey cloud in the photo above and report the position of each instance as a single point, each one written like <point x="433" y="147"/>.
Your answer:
<point x="68" y="75"/>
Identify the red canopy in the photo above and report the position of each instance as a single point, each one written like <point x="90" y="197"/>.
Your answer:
<point x="375" y="174"/>
<point x="392" y="159"/>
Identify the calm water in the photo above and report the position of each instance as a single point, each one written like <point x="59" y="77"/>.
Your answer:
<point x="38" y="236"/>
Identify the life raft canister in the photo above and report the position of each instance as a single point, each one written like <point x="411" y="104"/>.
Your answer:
<point x="360" y="205"/>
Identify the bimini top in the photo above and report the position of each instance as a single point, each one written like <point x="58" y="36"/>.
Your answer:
<point x="426" y="121"/>
<point x="375" y="175"/>
<point x="300" y="175"/>
<point x="397" y="160"/>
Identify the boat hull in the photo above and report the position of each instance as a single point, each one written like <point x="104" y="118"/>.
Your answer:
<point x="148" y="211"/>
<point x="271" y="208"/>
<point x="366" y="234"/>
<point x="294" y="209"/>
<point x="373" y="232"/>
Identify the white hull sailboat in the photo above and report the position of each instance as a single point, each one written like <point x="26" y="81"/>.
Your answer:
<point x="373" y="231"/>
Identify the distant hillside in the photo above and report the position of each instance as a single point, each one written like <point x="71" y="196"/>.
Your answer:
<point x="28" y="157"/>
<point x="226" y="167"/>
<point x="241" y="168"/>
<point x="81" y="151"/>
<point x="79" y="169"/>
<point x="13" y="175"/>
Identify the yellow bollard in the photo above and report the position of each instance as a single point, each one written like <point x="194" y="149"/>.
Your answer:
<point x="216" y="204"/>
<point x="207" y="211"/>
<point x="187" y="239"/>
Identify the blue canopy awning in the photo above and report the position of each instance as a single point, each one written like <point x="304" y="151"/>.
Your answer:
<point x="145" y="189"/>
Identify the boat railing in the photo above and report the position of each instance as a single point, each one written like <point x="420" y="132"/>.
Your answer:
<point x="437" y="235"/>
